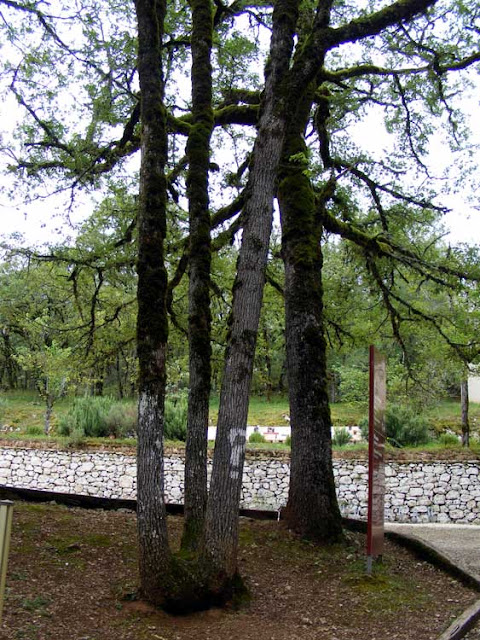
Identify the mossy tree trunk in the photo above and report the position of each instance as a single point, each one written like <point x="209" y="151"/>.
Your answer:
<point x="198" y="153"/>
<point x="312" y="509"/>
<point x="9" y="366"/>
<point x="465" y="402"/>
<point x="152" y="324"/>
<point x="221" y="536"/>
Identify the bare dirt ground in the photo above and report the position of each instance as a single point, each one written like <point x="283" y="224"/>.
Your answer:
<point x="70" y="569"/>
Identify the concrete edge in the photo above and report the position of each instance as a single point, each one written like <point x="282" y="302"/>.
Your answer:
<point x="434" y="556"/>
<point x="466" y="621"/>
<point x="423" y="550"/>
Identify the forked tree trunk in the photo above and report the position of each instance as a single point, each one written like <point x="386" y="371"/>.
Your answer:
<point x="199" y="321"/>
<point x="152" y="325"/>
<point x="221" y="537"/>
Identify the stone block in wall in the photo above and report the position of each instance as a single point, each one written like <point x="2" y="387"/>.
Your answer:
<point x="360" y="469"/>
<point x="452" y="495"/>
<point x="457" y="470"/>
<point x="87" y="466"/>
<point x="415" y="492"/>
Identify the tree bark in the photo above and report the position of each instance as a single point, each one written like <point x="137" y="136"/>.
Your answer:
<point x="312" y="509"/>
<point x="10" y="367"/>
<point x="198" y="154"/>
<point x="118" y="371"/>
<point x="48" y="413"/>
<point x="221" y="536"/>
<point x="465" y="420"/>
<point x="152" y="325"/>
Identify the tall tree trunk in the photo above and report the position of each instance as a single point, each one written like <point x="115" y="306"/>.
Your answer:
<point x="99" y="383"/>
<point x="10" y="366"/>
<point x="268" y="362"/>
<point x="118" y="371"/>
<point x="198" y="153"/>
<point x="48" y="413"/>
<point x="312" y="509"/>
<point x="465" y="421"/>
<point x="152" y="324"/>
<point x="221" y="537"/>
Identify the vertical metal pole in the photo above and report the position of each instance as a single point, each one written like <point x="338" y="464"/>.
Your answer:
<point x="376" y="460"/>
<point x="6" y="513"/>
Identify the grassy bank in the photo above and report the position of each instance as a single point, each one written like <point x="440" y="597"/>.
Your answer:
<point x="22" y="414"/>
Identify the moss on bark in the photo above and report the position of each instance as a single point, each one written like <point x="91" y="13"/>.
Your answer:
<point x="312" y="508"/>
<point x="187" y="585"/>
<point x="199" y="318"/>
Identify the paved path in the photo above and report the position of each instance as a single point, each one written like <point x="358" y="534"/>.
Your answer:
<point x="459" y="543"/>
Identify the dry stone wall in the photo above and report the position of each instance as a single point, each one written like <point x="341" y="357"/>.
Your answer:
<point x="415" y="492"/>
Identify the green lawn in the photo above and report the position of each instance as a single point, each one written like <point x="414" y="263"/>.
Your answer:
<point x="24" y="411"/>
<point x="274" y="411"/>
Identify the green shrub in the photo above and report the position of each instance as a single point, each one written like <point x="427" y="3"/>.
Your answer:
<point x="256" y="438"/>
<point x="341" y="437"/>
<point x="288" y="441"/>
<point x="88" y="415"/>
<point x="448" y="439"/>
<point x="76" y="437"/>
<point x="121" y="420"/>
<point x="404" y="427"/>
<point x="176" y="408"/>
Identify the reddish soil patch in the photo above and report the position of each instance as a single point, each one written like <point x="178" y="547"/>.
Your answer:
<point x="70" y="569"/>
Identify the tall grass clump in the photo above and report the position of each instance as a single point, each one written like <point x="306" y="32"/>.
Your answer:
<point x="121" y="420"/>
<point x="448" y="439"/>
<point x="256" y="438"/>
<point x="341" y="437"/>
